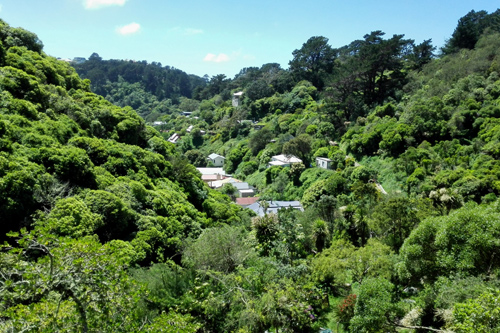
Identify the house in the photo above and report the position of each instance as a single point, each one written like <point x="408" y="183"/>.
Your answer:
<point x="237" y="98"/>
<point x="244" y="189"/>
<point x="222" y="182"/>
<point x="209" y="175"/>
<point x="284" y="160"/>
<point x="190" y="129"/>
<point x="262" y="208"/>
<point x="79" y="60"/>
<point x="323" y="162"/>
<point x="174" y="138"/>
<point x="216" y="159"/>
<point x="159" y="123"/>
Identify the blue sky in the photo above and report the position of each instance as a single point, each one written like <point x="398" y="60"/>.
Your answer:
<point x="222" y="37"/>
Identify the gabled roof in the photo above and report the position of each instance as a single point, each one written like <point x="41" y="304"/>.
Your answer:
<point x="324" y="159"/>
<point x="288" y="159"/>
<point x="278" y="163"/>
<point x="213" y="156"/>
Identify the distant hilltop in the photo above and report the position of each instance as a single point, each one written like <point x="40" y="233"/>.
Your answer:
<point x="76" y="60"/>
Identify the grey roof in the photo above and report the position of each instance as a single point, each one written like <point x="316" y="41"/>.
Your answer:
<point x="241" y="186"/>
<point x="213" y="156"/>
<point x="274" y="206"/>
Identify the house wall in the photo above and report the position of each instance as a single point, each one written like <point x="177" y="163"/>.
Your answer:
<point x="323" y="164"/>
<point x="218" y="161"/>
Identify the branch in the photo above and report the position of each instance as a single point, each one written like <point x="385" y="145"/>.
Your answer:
<point x="37" y="246"/>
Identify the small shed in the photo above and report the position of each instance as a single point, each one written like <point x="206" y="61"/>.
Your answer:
<point x="323" y="162"/>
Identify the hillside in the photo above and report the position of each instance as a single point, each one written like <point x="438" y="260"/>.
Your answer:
<point x="151" y="89"/>
<point x="77" y="171"/>
<point x="109" y="227"/>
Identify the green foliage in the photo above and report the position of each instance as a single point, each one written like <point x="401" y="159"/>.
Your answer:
<point x="234" y="158"/>
<point x="393" y="220"/>
<point x="258" y="140"/>
<point x="345" y="310"/>
<point x="149" y="88"/>
<point x="300" y="147"/>
<point x="469" y="29"/>
<point x="375" y="310"/>
<point x="478" y="315"/>
<point x="343" y="264"/>
<point x="167" y="284"/>
<point x="74" y="167"/>
<point x="463" y="242"/>
<point x="59" y="284"/>
<point x="314" y="61"/>
<point x="266" y="231"/>
<point x="173" y="322"/>
<point x="73" y="218"/>
<point x="117" y="217"/>
<point x="221" y="249"/>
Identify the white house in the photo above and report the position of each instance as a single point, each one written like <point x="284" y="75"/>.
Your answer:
<point x="216" y="159"/>
<point x="272" y="207"/>
<point x="284" y="160"/>
<point x="323" y="162"/>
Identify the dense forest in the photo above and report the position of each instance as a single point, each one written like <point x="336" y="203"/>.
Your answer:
<point x="149" y="89"/>
<point x="107" y="227"/>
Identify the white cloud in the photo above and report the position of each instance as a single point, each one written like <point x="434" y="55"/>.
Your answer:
<point x="191" y="31"/>
<point x="129" y="29"/>
<point x="96" y="4"/>
<point x="221" y="57"/>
